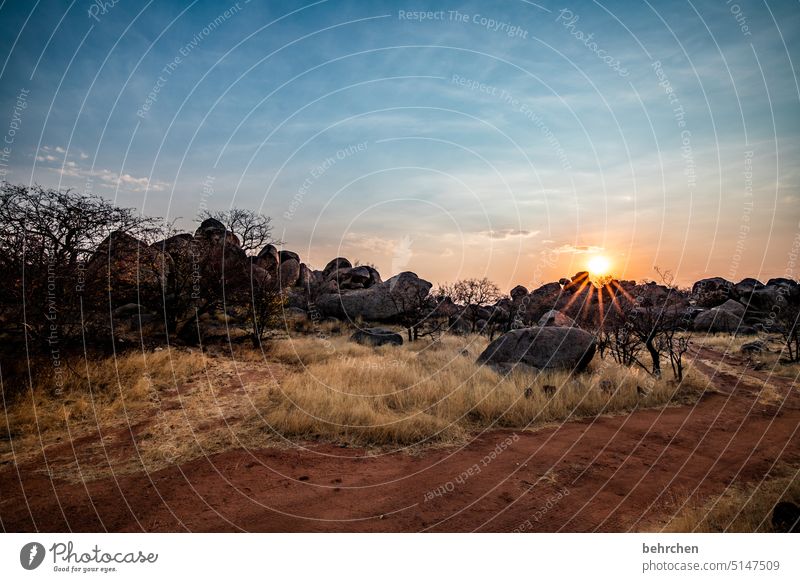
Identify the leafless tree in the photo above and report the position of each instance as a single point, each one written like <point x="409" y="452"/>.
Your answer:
<point x="253" y="230"/>
<point x="473" y="295"/>
<point x="46" y="238"/>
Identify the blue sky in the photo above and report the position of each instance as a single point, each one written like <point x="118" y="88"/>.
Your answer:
<point x="491" y="138"/>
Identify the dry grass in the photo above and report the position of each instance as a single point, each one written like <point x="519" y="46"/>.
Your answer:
<point x="107" y="392"/>
<point x="741" y="509"/>
<point x="431" y="392"/>
<point x="773" y="361"/>
<point x="145" y="411"/>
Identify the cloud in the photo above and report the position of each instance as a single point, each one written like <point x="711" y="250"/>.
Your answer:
<point x="106" y="178"/>
<point x="578" y="249"/>
<point x="365" y="241"/>
<point x="509" y="232"/>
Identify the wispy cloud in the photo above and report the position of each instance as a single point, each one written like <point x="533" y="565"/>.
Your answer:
<point x="105" y="178"/>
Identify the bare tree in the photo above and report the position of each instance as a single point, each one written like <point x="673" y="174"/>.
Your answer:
<point x="788" y="325"/>
<point x="253" y="230"/>
<point x="473" y="295"/>
<point x="263" y="304"/>
<point x="46" y="239"/>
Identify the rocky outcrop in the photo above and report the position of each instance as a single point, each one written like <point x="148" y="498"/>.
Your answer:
<point x="711" y="285"/>
<point x="541" y="348"/>
<point x="745" y="287"/>
<point x="213" y="230"/>
<point x="381" y="302"/>
<point x="724" y="318"/>
<point x="268" y="258"/>
<point x="337" y="264"/>
<point x="555" y="318"/>
<point x="519" y="292"/>
<point x="377" y="336"/>
<point x="288" y="273"/>
<point x="128" y="270"/>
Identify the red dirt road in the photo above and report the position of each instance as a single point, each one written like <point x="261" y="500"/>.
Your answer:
<point x="621" y="473"/>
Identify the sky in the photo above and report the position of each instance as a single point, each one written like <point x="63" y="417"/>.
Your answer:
<point x="508" y="139"/>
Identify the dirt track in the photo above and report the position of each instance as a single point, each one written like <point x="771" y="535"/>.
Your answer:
<point x="621" y="473"/>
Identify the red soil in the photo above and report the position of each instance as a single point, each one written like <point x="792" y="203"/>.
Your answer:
<point x="620" y="473"/>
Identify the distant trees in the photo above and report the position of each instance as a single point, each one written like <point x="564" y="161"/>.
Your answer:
<point x="473" y="296"/>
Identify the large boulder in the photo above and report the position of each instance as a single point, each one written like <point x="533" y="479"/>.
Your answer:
<point x="269" y="258"/>
<point x="763" y="300"/>
<point x="337" y="264"/>
<point x="724" y="318"/>
<point x="128" y="270"/>
<point x="377" y="336"/>
<point x="711" y="285"/>
<point x="555" y="318"/>
<point x="213" y="230"/>
<point x="744" y="288"/>
<point x="284" y="256"/>
<point x="305" y="277"/>
<point x="369" y="275"/>
<point x="519" y="292"/>
<point x="567" y="348"/>
<point x="381" y="302"/>
<point x="178" y="244"/>
<point x="288" y="273"/>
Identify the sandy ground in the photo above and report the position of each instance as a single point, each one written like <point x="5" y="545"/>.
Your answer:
<point x="614" y="473"/>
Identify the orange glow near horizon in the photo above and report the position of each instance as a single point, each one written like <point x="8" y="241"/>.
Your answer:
<point x="599" y="266"/>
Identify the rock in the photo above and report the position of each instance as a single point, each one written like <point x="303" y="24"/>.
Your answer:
<point x="754" y="347"/>
<point x="296" y="298"/>
<point x="555" y="318"/>
<point x="269" y="258"/>
<point x="288" y="273"/>
<point x="578" y="282"/>
<point x="129" y="270"/>
<point x="368" y="275"/>
<point x="130" y="310"/>
<point x="459" y="327"/>
<point x="745" y="287"/>
<point x="335" y="265"/>
<point x="210" y="227"/>
<point x="786" y="517"/>
<point x="764" y="299"/>
<point x="177" y="244"/>
<point x="213" y="230"/>
<point x="377" y="336"/>
<point x="782" y="282"/>
<point x="519" y="292"/>
<point x="381" y="302"/>
<point x="725" y="318"/>
<point x="295" y="313"/>
<point x="568" y="348"/>
<point x="711" y="285"/>
<point x="284" y="256"/>
<point x="350" y="278"/>
<point x="305" y="277"/>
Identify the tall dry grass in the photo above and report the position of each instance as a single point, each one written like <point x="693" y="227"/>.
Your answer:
<point x="92" y="393"/>
<point x="178" y="405"/>
<point x="435" y="392"/>
<point x="741" y="508"/>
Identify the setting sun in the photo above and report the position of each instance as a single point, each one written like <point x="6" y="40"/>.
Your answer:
<point x="599" y="266"/>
